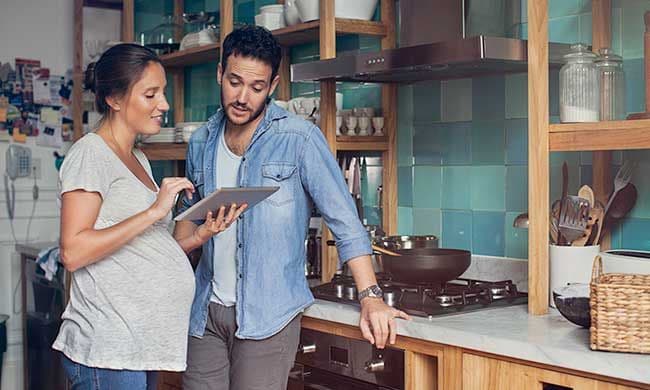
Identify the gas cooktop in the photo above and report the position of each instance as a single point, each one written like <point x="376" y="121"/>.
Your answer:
<point x="429" y="300"/>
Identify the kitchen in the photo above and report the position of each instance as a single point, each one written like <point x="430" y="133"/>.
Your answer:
<point x="445" y="130"/>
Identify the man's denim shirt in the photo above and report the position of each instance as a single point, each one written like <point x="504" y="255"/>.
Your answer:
<point x="293" y="154"/>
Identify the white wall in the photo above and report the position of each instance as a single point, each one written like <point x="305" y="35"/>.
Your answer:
<point x="42" y="30"/>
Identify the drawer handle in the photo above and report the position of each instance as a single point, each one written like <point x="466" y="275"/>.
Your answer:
<point x="307" y="348"/>
<point x="548" y="386"/>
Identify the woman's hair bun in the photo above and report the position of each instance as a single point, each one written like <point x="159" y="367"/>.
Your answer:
<point x="89" y="77"/>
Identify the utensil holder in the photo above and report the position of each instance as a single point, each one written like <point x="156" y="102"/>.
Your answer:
<point x="570" y="264"/>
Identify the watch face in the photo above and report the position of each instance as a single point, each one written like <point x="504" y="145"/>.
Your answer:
<point x="374" y="291"/>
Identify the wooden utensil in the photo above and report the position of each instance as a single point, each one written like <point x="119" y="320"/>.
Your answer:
<point x="565" y="191"/>
<point x="595" y="220"/>
<point x="385" y="251"/>
<point x="586" y="192"/>
<point x="620" y="207"/>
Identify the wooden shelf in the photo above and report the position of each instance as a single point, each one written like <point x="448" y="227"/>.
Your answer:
<point x="288" y="36"/>
<point x="361" y="143"/>
<point x="610" y="135"/>
<point x="193" y="56"/>
<point x="164" y="151"/>
<point x="309" y="32"/>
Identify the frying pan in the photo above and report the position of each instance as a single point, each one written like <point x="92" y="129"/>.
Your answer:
<point x="427" y="265"/>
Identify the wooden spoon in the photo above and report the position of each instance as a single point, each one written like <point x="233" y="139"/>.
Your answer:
<point x="385" y="251"/>
<point x="623" y="202"/>
<point x="586" y="192"/>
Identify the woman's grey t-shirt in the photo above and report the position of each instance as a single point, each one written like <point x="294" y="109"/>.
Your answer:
<point x="131" y="309"/>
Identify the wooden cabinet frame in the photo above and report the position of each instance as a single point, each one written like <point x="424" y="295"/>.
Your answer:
<point x="600" y="137"/>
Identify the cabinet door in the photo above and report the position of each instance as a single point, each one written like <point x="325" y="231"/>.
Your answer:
<point x="482" y="373"/>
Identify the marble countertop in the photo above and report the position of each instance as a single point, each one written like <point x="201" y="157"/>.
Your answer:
<point x="511" y="331"/>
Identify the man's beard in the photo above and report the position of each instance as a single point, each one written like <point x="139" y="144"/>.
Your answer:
<point x="253" y="117"/>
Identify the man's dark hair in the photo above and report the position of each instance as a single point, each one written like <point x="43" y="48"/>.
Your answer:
<point x="253" y="42"/>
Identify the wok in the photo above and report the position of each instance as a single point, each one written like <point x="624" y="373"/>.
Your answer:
<point x="426" y="265"/>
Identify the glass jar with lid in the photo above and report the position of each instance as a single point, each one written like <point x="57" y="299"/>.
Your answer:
<point x="162" y="37"/>
<point x="612" y="85"/>
<point x="579" y="86"/>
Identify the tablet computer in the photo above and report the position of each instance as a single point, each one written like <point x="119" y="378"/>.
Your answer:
<point x="225" y="197"/>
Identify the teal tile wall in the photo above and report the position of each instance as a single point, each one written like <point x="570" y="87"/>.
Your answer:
<point x="149" y="14"/>
<point x="202" y="92"/>
<point x="474" y="133"/>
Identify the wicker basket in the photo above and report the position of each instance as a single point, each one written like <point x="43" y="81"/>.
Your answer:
<point x="620" y="311"/>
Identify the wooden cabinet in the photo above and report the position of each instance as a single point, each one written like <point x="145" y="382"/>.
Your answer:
<point x="485" y="373"/>
<point x="433" y="366"/>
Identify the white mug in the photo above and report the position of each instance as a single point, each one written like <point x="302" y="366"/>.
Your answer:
<point x="351" y="124"/>
<point x="364" y="123"/>
<point x="378" y="125"/>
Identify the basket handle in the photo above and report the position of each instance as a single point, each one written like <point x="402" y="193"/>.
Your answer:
<point x="597" y="269"/>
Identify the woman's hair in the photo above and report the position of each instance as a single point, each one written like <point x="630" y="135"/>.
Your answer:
<point x="116" y="71"/>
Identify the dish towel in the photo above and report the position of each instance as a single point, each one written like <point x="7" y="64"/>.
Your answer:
<point x="49" y="261"/>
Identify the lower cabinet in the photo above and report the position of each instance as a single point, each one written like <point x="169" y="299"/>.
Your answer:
<point x="431" y="366"/>
<point x="484" y="373"/>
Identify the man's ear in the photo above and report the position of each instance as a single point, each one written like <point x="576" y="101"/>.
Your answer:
<point x="219" y="73"/>
<point x="274" y="84"/>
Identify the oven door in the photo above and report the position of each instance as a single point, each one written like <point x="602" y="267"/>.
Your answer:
<point x="309" y="378"/>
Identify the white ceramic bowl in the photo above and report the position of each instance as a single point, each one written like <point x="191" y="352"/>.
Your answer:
<point x="270" y="21"/>
<point x="349" y="9"/>
<point x="357" y="9"/>
<point x="272" y="9"/>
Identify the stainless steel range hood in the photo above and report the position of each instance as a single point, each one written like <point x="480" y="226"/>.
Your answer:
<point x="436" y="44"/>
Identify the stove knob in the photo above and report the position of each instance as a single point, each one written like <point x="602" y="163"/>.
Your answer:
<point x="307" y="348"/>
<point x="374" y="365"/>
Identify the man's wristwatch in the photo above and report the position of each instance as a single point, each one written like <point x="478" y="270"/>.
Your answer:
<point x="371" y="292"/>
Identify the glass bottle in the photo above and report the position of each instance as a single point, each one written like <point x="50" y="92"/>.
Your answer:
<point x="579" y="86"/>
<point x="612" y="85"/>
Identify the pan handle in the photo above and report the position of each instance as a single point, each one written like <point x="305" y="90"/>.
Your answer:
<point x="376" y="249"/>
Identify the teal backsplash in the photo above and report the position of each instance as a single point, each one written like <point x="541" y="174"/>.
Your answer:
<point x="463" y="147"/>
